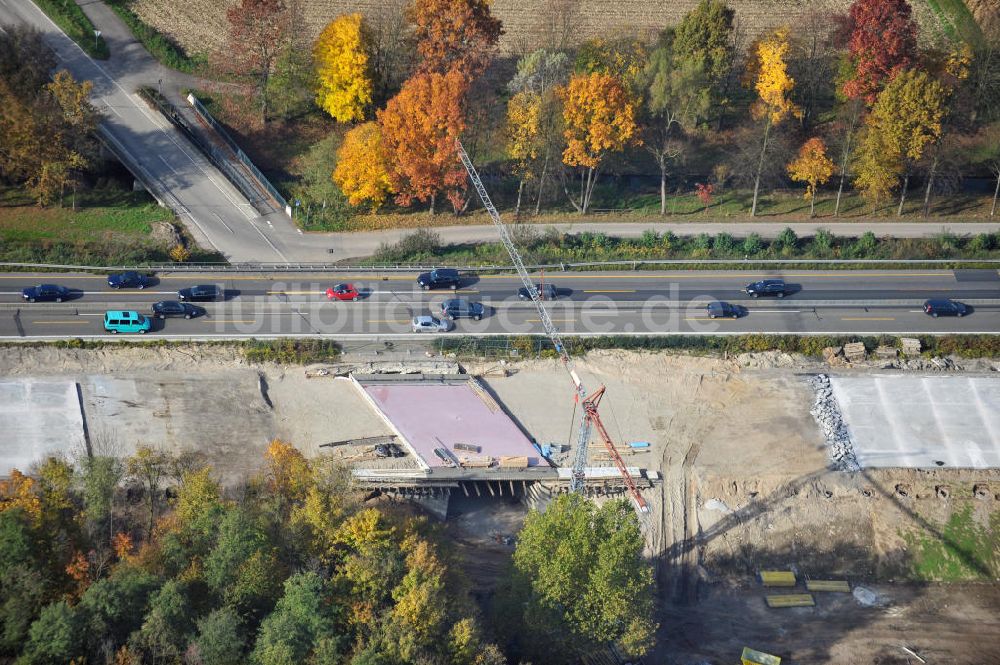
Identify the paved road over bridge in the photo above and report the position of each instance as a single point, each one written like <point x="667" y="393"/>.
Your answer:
<point x="588" y="303"/>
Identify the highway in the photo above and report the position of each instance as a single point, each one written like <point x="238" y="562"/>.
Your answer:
<point x="819" y="302"/>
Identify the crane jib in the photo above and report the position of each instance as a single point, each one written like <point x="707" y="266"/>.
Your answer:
<point x="591" y="418"/>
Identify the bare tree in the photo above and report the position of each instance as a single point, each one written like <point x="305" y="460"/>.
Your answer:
<point x="391" y="48"/>
<point x="559" y="24"/>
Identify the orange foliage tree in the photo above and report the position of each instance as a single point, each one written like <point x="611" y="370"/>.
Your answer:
<point x="420" y="127"/>
<point x="813" y="167"/>
<point x="454" y="34"/>
<point x="362" y="172"/>
<point x="287" y="471"/>
<point x="600" y="119"/>
<point x="19" y="492"/>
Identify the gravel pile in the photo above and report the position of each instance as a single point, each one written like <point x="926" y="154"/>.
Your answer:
<point x="826" y="411"/>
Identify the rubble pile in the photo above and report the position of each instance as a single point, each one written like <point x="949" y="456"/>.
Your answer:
<point x="826" y="411"/>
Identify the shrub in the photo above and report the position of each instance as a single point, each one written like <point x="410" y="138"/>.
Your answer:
<point x="724" y="244"/>
<point x="982" y="242"/>
<point x="417" y="246"/>
<point x="702" y="241"/>
<point x="650" y="239"/>
<point x="753" y="245"/>
<point x="179" y="253"/>
<point x="822" y="242"/>
<point x="787" y="239"/>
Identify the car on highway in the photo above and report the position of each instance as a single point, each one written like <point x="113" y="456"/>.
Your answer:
<point x="430" y="324"/>
<point x="460" y="308"/>
<point x="42" y="292"/>
<point x="936" y="308"/>
<point x="128" y="280"/>
<point x="201" y="292"/>
<point x="440" y="278"/>
<point x="172" y="308"/>
<point x="342" y="292"/>
<point x="722" y="310"/>
<point x="126" y="321"/>
<point x="545" y="292"/>
<point x="766" y="287"/>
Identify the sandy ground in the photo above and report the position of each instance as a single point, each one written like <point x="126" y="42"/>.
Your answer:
<point x="746" y="487"/>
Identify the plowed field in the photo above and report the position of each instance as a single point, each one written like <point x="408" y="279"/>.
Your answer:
<point x="199" y="25"/>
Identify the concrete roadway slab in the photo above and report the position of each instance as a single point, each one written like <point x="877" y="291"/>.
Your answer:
<point x="38" y="418"/>
<point x="922" y="422"/>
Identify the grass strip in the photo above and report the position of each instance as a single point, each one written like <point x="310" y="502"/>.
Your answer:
<point x="71" y="20"/>
<point x="159" y="45"/>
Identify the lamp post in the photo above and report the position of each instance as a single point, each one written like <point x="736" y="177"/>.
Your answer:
<point x="97" y="36"/>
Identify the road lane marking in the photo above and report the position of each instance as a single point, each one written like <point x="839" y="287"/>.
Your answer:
<point x="222" y="221"/>
<point x="389" y="321"/>
<point x="610" y="291"/>
<point x="708" y="318"/>
<point x="210" y="320"/>
<point x="172" y="169"/>
<point x="294" y="293"/>
<point x="774" y="311"/>
<point x="867" y="318"/>
<point x="42" y="323"/>
<point x="552" y="320"/>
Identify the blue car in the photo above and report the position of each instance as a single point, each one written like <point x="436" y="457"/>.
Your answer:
<point x="128" y="280"/>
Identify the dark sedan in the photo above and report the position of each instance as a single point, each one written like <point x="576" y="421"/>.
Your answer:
<point x="43" y="292"/>
<point x="717" y="309"/>
<point x="203" y="292"/>
<point x="545" y="292"/>
<point x="172" y="308"/>
<point x="938" y="308"/>
<point x="128" y="280"/>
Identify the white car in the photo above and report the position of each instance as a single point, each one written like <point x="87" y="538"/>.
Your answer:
<point x="430" y="324"/>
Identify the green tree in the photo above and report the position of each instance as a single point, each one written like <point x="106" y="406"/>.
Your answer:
<point x="164" y="630"/>
<point x="580" y="580"/>
<point x="55" y="637"/>
<point x="220" y="639"/>
<point x="678" y="96"/>
<point x="22" y="584"/>
<point x="113" y="607"/>
<point x="302" y="618"/>
<point x="101" y="476"/>
<point x="705" y="35"/>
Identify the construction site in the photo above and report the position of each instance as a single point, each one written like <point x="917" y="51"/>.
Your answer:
<point x="745" y="472"/>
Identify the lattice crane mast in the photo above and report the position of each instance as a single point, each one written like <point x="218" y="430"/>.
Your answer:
<point x="591" y="418"/>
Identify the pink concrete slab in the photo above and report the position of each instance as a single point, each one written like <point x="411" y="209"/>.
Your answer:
<point x="439" y="416"/>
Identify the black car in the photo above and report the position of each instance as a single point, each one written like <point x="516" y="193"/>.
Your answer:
<point x="439" y="279"/>
<point x="938" y="308"/>
<point x="545" y="292"/>
<point x="200" y="292"/>
<point x="766" y="287"/>
<point x="171" y="308"/>
<point x="44" y="292"/>
<point x="460" y="308"/>
<point x="128" y="280"/>
<point x="717" y="309"/>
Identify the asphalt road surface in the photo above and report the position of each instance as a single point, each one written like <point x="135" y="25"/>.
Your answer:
<point x="587" y="304"/>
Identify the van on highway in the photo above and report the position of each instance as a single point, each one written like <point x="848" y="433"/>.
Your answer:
<point x="125" y="321"/>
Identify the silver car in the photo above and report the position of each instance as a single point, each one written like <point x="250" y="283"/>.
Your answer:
<point x="431" y="324"/>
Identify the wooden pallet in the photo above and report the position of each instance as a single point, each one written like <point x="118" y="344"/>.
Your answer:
<point x="777" y="578"/>
<point x="834" y="586"/>
<point x="790" y="600"/>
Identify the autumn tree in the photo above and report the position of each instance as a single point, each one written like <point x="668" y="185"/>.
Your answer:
<point x="883" y="42"/>
<point x="773" y="86"/>
<point x="579" y="580"/>
<point x="678" y="96"/>
<point x="391" y="54"/>
<point x="534" y="117"/>
<point x="148" y="466"/>
<point x="599" y="119"/>
<point x="454" y="35"/>
<point x="905" y="119"/>
<point x="813" y="167"/>
<point x="257" y="30"/>
<point x="420" y="127"/>
<point x="291" y="87"/>
<point x="344" y="85"/>
<point x="362" y="171"/>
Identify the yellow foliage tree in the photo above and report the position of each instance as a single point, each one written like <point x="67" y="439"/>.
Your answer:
<point x="600" y="119"/>
<point x="362" y="171"/>
<point x="287" y="471"/>
<point x="524" y="136"/>
<point x="18" y="491"/>
<point x="813" y="167"/>
<point x="773" y="86"/>
<point x="905" y="119"/>
<point x="343" y="76"/>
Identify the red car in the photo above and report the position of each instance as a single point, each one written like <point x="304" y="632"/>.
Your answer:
<point x="342" y="292"/>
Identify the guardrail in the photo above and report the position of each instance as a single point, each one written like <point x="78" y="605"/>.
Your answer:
<point x="414" y="267"/>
